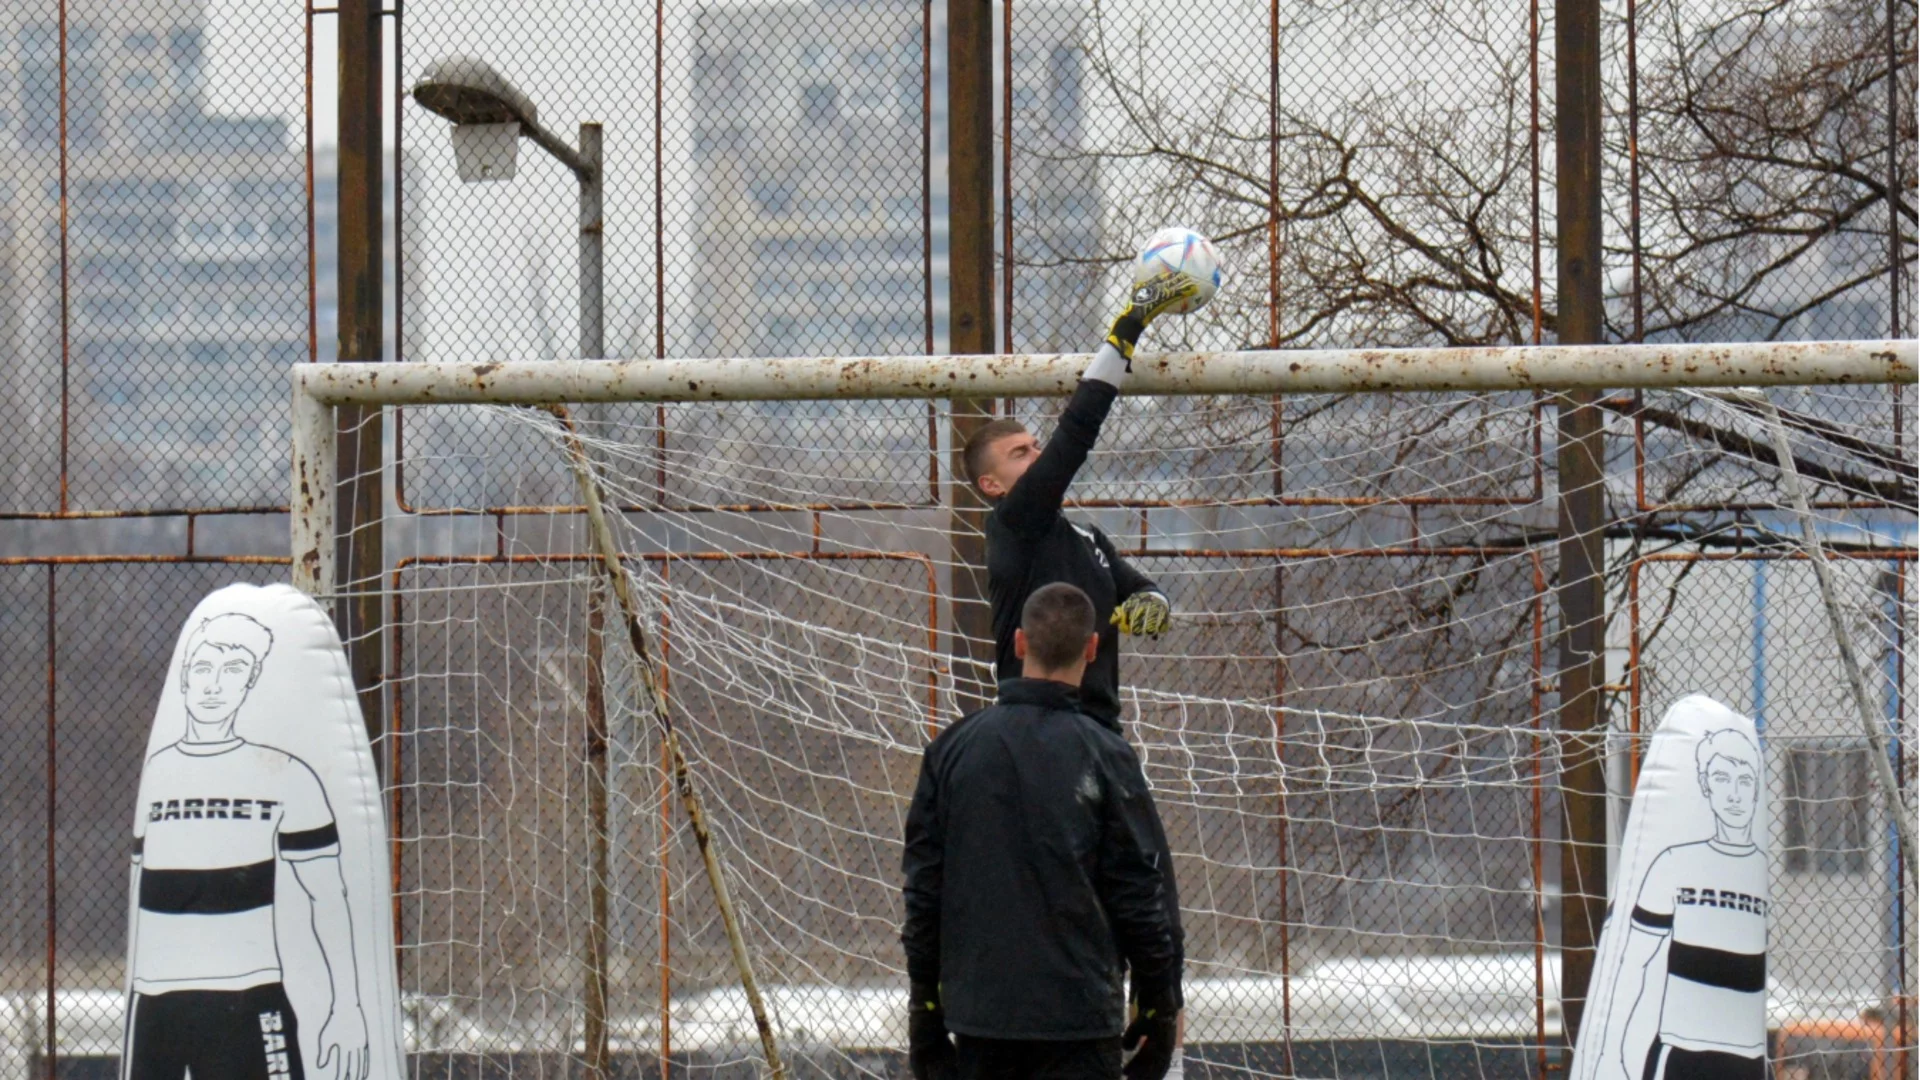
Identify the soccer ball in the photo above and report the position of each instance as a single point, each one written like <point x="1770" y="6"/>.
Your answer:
<point x="1173" y="249"/>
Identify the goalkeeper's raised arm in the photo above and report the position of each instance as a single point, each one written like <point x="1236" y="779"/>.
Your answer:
<point x="1030" y="543"/>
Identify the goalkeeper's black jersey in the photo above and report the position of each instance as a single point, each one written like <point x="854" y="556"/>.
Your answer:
<point x="1030" y="543"/>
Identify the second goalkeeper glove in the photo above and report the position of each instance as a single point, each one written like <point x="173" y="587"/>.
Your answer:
<point x="1150" y="1041"/>
<point x="1145" y="613"/>
<point x="930" y="1053"/>
<point x="1150" y="300"/>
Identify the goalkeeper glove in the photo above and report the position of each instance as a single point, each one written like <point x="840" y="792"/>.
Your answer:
<point x="1150" y="300"/>
<point x="1143" y="613"/>
<point x="930" y="1053"/>
<point x="1156" y="1020"/>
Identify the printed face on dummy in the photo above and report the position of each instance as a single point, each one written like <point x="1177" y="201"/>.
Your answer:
<point x="1731" y="787"/>
<point x="1007" y="459"/>
<point x="217" y="681"/>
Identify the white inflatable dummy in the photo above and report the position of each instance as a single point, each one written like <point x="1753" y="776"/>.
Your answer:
<point x="261" y="938"/>
<point x="1679" y="985"/>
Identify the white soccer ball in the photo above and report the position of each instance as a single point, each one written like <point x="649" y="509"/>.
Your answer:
<point x="1174" y="249"/>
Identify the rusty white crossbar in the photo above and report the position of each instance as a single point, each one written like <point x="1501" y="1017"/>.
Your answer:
<point x="1546" y="367"/>
<point x="318" y="388"/>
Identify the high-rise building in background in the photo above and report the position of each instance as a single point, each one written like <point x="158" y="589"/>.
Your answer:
<point x="187" y="258"/>
<point x="807" y="142"/>
<point x="185" y="255"/>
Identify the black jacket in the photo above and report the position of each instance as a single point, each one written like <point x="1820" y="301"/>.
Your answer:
<point x="1030" y="543"/>
<point x="1033" y="867"/>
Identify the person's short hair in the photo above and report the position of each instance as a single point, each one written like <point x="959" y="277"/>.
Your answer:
<point x="1058" y="620"/>
<point x="230" y="631"/>
<point x="973" y="457"/>
<point x="1729" y="743"/>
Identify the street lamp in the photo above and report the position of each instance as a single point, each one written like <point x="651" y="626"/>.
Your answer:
<point x="489" y="114"/>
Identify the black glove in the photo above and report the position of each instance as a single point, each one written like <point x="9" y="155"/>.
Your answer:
<point x="929" y="1049"/>
<point x="1156" y="1019"/>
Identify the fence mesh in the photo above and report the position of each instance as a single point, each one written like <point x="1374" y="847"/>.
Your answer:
<point x="776" y="183"/>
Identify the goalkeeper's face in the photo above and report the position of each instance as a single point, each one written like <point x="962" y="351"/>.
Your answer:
<point x="1006" y="460"/>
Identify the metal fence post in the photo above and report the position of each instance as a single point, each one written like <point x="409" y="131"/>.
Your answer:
<point x="1582" y="511"/>
<point x="362" y="489"/>
<point x="970" y="233"/>
<point x="594" y="992"/>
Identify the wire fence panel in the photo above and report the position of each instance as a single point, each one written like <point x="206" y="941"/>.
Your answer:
<point x="158" y="240"/>
<point x="1831" y="823"/>
<point x="70" y="815"/>
<point x="28" y="792"/>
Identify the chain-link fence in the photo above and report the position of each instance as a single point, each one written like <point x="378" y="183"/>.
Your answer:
<point x="776" y="182"/>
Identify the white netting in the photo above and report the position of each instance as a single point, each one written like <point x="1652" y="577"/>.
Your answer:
<point x="1349" y="728"/>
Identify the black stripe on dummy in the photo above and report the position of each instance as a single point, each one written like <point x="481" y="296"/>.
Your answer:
<point x="1702" y="1064"/>
<point x="310" y="839"/>
<point x="220" y="891"/>
<point x="1652" y="920"/>
<point x="1745" y="972"/>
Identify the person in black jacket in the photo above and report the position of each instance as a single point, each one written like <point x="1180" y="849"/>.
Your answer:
<point x="1030" y="543"/>
<point x="1034" y="882"/>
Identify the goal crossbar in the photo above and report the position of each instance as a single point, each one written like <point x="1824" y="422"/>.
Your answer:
<point x="319" y="388"/>
<point x="1470" y="369"/>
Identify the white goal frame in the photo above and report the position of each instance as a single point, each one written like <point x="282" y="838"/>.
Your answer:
<point x="318" y="389"/>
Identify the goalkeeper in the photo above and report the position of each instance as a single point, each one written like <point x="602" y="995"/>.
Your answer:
<point x="1030" y="543"/>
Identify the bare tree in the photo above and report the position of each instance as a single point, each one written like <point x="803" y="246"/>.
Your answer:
<point x="1777" y="167"/>
<point x="1401" y="213"/>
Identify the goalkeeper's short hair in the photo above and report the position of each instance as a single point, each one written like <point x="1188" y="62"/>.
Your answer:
<point x="973" y="455"/>
<point x="1058" y="620"/>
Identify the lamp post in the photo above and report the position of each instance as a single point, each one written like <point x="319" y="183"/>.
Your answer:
<point x="470" y="94"/>
<point x="489" y="114"/>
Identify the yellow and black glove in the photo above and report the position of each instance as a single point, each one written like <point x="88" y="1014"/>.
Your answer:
<point x="1143" y="613"/>
<point x="1150" y="300"/>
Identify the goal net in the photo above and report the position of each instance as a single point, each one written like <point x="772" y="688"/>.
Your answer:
<point x="1350" y="729"/>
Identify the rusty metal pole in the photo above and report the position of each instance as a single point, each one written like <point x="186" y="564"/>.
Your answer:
<point x="599" y="870"/>
<point x="598" y="1057"/>
<point x="1583" y="508"/>
<point x="970" y="247"/>
<point x="359" y="552"/>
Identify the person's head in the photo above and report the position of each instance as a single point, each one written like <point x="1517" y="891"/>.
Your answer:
<point x="1057" y="638"/>
<point x="997" y="456"/>
<point x="223" y="659"/>
<point x="1729" y="771"/>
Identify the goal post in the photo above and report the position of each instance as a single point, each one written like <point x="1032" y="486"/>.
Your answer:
<point x="318" y="388"/>
<point x="1347" y="729"/>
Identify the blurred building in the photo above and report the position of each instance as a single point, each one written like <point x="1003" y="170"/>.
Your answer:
<point x="185" y="254"/>
<point x="808" y="141"/>
<point x="187" y="259"/>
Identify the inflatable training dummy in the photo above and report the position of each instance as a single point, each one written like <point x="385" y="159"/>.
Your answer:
<point x="1679" y="987"/>
<point x="261" y="940"/>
